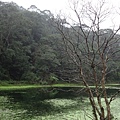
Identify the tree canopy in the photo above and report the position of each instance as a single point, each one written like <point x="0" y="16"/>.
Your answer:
<point x="32" y="49"/>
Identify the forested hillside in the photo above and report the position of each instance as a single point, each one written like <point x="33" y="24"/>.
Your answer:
<point x="32" y="49"/>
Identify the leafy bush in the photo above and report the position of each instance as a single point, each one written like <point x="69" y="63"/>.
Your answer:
<point x="30" y="76"/>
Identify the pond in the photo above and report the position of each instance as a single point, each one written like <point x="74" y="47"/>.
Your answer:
<point x="48" y="104"/>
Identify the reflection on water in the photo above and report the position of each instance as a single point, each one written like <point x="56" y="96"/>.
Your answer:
<point x="46" y="104"/>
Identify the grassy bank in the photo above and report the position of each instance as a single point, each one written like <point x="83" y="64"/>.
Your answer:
<point x="27" y="86"/>
<point x="24" y="87"/>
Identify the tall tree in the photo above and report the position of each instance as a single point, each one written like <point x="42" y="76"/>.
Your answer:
<point x="90" y="49"/>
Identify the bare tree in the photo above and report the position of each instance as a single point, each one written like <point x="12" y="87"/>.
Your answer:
<point x="90" y="48"/>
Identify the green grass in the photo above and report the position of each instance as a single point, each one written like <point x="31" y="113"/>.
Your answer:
<point x="18" y="87"/>
<point x="4" y="87"/>
<point x="24" y="87"/>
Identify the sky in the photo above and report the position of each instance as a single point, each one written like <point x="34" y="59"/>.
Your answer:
<point x="55" y="6"/>
<point x="52" y="5"/>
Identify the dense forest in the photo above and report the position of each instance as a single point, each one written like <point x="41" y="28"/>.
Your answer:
<point x="32" y="49"/>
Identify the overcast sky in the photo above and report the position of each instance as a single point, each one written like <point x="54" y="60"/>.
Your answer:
<point x="56" y="5"/>
<point x="51" y="4"/>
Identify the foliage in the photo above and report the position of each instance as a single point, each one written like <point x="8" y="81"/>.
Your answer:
<point x="26" y="52"/>
<point x="32" y="49"/>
